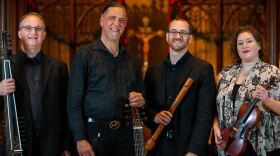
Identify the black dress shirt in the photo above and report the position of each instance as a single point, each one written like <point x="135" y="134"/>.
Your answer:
<point x="32" y="73"/>
<point x="99" y="85"/>
<point x="171" y="83"/>
<point x="172" y="77"/>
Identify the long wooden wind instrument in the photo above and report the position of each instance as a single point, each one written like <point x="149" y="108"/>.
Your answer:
<point x="150" y="144"/>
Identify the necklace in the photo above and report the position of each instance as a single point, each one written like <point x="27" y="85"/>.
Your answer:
<point x="114" y="51"/>
<point x="246" y="72"/>
<point x="247" y="67"/>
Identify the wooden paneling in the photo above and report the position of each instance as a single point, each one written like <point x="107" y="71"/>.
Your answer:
<point x="73" y="23"/>
<point x="278" y="32"/>
<point x="13" y="10"/>
<point x="214" y="22"/>
<point x="271" y="32"/>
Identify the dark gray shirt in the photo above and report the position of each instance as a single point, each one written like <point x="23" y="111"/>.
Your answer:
<point x="99" y="85"/>
<point x="32" y="73"/>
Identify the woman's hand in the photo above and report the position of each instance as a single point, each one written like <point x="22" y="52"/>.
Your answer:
<point x="217" y="133"/>
<point x="261" y="93"/>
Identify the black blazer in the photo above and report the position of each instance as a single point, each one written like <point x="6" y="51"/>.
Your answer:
<point x="193" y="117"/>
<point x="54" y="78"/>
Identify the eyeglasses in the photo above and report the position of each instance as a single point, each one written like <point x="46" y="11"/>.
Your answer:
<point x="182" y="33"/>
<point x="29" y="28"/>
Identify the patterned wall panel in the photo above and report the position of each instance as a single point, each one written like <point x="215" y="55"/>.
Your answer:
<point x="215" y="21"/>
<point x="70" y="24"/>
<point x="74" y="23"/>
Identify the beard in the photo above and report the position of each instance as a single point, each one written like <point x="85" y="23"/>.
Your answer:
<point x="177" y="44"/>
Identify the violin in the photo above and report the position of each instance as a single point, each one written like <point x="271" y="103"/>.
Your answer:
<point x="235" y="138"/>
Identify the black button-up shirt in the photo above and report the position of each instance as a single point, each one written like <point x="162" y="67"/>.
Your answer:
<point x="32" y="73"/>
<point x="172" y="81"/>
<point x="99" y="85"/>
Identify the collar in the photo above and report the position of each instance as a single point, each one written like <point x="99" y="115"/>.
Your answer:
<point x="180" y="61"/>
<point x="34" y="61"/>
<point x="100" y="45"/>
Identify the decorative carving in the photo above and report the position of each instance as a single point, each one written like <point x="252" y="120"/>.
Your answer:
<point x="145" y="34"/>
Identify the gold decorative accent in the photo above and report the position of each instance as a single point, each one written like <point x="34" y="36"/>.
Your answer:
<point x="115" y="124"/>
<point x="145" y="34"/>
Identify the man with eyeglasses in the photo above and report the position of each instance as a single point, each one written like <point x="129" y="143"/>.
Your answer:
<point x="40" y="85"/>
<point x="104" y="78"/>
<point x="187" y="130"/>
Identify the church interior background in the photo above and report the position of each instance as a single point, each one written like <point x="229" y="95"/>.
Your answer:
<point x="73" y="23"/>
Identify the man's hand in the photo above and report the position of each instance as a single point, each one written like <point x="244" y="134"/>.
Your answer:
<point x="191" y="154"/>
<point x="65" y="153"/>
<point x="136" y="99"/>
<point x="84" y="148"/>
<point x="7" y="86"/>
<point x="163" y="117"/>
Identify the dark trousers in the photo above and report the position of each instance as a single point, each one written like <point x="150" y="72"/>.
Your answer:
<point x="109" y="142"/>
<point x="36" y="140"/>
<point x="164" y="147"/>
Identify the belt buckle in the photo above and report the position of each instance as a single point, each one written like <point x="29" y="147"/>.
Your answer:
<point x="114" y="124"/>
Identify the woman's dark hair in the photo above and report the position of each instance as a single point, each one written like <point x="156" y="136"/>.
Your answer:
<point x="256" y="35"/>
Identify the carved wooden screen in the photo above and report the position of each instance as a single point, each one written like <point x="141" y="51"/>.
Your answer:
<point x="74" y="23"/>
<point x="215" y="21"/>
<point x="70" y="24"/>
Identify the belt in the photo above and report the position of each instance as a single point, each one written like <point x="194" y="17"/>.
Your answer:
<point x="112" y="124"/>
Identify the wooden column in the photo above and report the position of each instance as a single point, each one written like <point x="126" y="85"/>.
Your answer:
<point x="272" y="31"/>
<point x="72" y="30"/>
<point x="10" y="13"/>
<point x="278" y="33"/>
<point x="3" y="15"/>
<point x="219" y="37"/>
